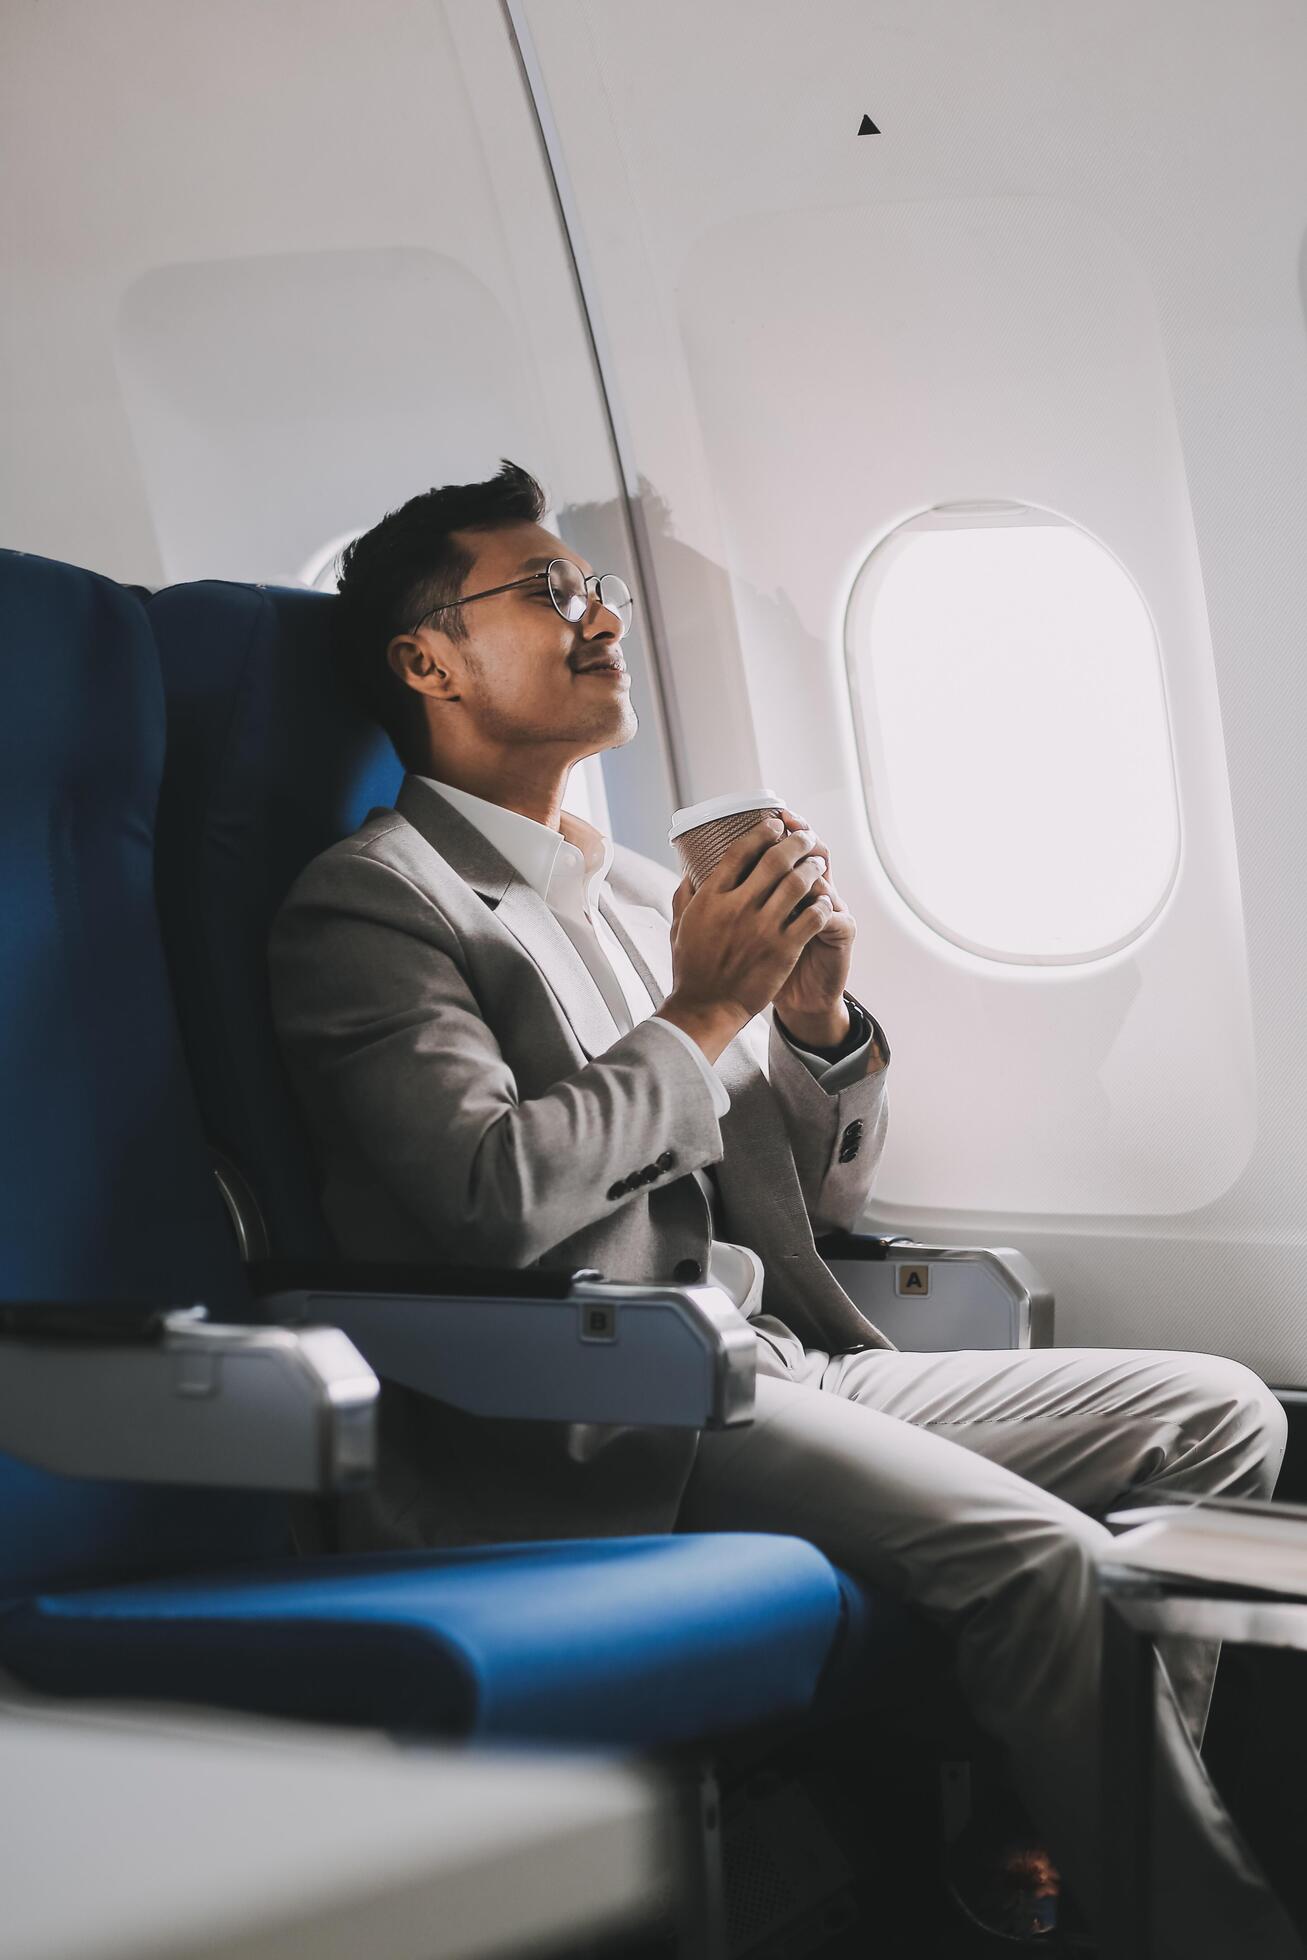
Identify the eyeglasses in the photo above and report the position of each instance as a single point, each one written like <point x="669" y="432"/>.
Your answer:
<point x="568" y="588"/>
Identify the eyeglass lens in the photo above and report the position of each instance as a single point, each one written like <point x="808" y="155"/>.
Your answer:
<point x="567" y="589"/>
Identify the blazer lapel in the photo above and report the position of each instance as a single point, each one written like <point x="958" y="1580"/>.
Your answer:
<point x="518" y="907"/>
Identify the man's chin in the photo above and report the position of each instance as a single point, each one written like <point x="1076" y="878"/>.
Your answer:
<point x="624" y="729"/>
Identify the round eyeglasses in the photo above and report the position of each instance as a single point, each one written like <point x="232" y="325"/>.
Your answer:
<point x="568" y="588"/>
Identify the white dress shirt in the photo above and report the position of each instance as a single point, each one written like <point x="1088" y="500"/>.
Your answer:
<point x="567" y="867"/>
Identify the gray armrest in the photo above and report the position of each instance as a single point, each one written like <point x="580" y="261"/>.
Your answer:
<point x="600" y="1351"/>
<point x="931" y="1298"/>
<point x="180" y="1400"/>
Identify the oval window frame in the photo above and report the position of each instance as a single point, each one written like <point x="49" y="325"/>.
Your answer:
<point x="982" y="513"/>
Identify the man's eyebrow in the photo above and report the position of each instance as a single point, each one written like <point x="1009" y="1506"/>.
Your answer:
<point x="543" y="564"/>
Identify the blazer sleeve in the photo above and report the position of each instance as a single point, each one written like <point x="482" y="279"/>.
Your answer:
<point x="393" y="1060"/>
<point x="837" y="1134"/>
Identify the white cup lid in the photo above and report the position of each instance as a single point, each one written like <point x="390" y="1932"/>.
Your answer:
<point x="720" y="806"/>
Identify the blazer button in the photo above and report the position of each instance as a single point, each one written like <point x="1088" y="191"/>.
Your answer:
<point x="666" y="1161"/>
<point x="848" y="1153"/>
<point x="617" y="1190"/>
<point x="687" y="1271"/>
<point x="650" y="1174"/>
<point x="852" y="1131"/>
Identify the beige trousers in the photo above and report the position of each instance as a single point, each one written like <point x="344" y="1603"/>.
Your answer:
<point x="968" y="1484"/>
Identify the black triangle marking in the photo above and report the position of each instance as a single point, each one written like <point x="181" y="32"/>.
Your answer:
<point x="867" y="127"/>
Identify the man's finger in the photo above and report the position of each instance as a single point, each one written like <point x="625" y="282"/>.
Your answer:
<point x="733" y="865"/>
<point x="824" y="884"/>
<point x="793" y="821"/>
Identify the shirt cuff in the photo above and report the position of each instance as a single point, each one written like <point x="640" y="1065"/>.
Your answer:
<point x="721" y="1095"/>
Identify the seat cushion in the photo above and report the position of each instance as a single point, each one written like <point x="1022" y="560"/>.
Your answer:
<point x="629" y="1643"/>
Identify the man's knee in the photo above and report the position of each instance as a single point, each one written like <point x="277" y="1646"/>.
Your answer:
<point x="1238" y="1407"/>
<point x="1048" y="1556"/>
<point x="1246" y="1394"/>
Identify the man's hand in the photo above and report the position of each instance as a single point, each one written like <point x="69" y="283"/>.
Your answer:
<point x="736" y="940"/>
<point x="811" y="1000"/>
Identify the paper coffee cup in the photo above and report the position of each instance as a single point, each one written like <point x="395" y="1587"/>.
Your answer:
<point x="703" y="832"/>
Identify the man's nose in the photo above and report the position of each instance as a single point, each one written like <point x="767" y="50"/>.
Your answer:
<point x="599" y="622"/>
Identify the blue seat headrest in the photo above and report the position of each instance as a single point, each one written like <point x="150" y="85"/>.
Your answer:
<point x="107" y="1191"/>
<point x="270" y="761"/>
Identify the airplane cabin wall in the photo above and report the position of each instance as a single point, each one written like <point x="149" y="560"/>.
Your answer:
<point x="1065" y="274"/>
<point x="274" y="267"/>
<point x="271" y="270"/>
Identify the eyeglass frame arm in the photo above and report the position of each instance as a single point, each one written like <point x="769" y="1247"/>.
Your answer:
<point x="493" y="591"/>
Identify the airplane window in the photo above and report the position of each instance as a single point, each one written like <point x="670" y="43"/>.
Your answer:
<point x="1012" y="725"/>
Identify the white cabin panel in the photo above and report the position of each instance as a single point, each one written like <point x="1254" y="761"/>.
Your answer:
<point x="271" y="270"/>
<point x="1067" y="273"/>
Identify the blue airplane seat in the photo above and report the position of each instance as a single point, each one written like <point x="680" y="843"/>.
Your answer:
<point x="632" y="1643"/>
<point x="106" y="1192"/>
<point x="107" y="1198"/>
<point x="268" y="763"/>
<point x="189" y="1594"/>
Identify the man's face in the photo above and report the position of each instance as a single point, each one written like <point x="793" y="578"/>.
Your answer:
<point x="520" y="675"/>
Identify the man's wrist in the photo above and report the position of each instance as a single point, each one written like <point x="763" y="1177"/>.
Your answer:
<point x="711" y="1024"/>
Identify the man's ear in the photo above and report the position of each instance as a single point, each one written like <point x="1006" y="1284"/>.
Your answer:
<point x="416" y="661"/>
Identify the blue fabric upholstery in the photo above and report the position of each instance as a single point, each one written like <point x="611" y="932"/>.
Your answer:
<point x="81" y="1531"/>
<point x="107" y="1194"/>
<point x="269" y="762"/>
<point x="634" y="1643"/>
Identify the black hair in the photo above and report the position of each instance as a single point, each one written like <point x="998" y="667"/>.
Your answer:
<point x="395" y="573"/>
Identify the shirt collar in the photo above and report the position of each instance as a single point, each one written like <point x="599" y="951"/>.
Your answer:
<point x="537" y="853"/>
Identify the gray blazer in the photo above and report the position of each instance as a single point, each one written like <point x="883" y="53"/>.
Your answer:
<point x="471" y="1099"/>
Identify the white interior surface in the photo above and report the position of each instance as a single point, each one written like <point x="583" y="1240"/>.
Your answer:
<point x="277" y="1845"/>
<point x="273" y="268"/>
<point x="1012" y="730"/>
<point x="261" y="437"/>
<point x="275" y="264"/>
<point x="1068" y="273"/>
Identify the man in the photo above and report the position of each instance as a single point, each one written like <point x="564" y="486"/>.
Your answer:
<point x="518" y="1044"/>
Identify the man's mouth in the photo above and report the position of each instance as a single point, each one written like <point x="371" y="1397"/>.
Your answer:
<point x="610" y="666"/>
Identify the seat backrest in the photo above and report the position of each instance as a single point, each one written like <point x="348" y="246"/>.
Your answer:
<point x="106" y="1192"/>
<point x="269" y="762"/>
